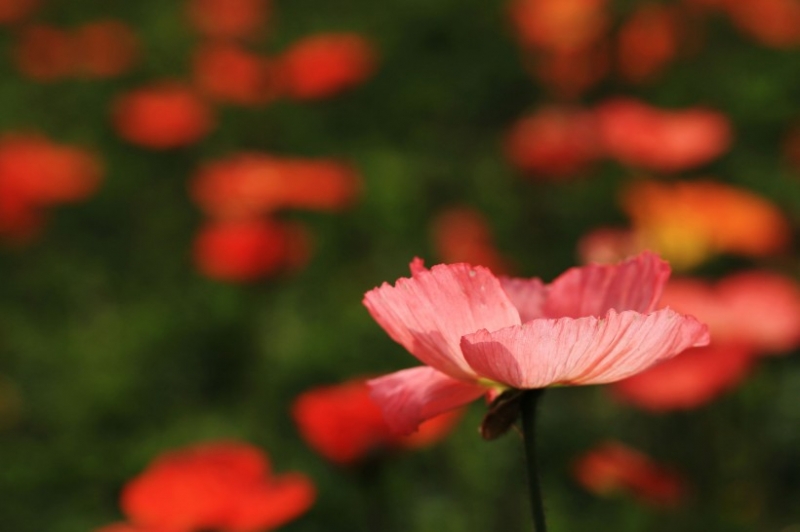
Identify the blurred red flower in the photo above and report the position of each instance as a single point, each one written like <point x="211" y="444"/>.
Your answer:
<point x="12" y="11"/>
<point x="246" y="250"/>
<point x="774" y="23"/>
<point x="225" y="486"/>
<point x="747" y="313"/>
<point x="791" y="147"/>
<point x="227" y="73"/>
<point x="344" y="425"/>
<point x="462" y="234"/>
<point x="126" y="527"/>
<point x="229" y="18"/>
<point x="559" y="25"/>
<point x="45" y="53"/>
<point x="325" y="64"/>
<point x="106" y="48"/>
<point x="554" y="142"/>
<point x="162" y="115"/>
<point x="689" y="221"/>
<point x="569" y="73"/>
<point x="648" y="41"/>
<point x="757" y="309"/>
<point x="637" y="134"/>
<point x="691" y="379"/>
<point x="613" y="468"/>
<point x="250" y="184"/>
<point x="36" y="172"/>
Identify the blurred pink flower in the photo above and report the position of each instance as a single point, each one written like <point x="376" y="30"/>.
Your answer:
<point x="640" y="135"/>
<point x="613" y="468"/>
<point x="477" y="333"/>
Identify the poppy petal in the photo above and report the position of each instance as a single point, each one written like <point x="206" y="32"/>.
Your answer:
<point x="528" y="295"/>
<point x="580" y="351"/>
<point x="429" y="313"/>
<point x="411" y="396"/>
<point x="635" y="284"/>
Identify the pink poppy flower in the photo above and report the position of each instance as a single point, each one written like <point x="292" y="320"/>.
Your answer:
<point x="479" y="334"/>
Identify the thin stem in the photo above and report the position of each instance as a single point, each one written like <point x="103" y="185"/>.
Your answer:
<point x="530" y="400"/>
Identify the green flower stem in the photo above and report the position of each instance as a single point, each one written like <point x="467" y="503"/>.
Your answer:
<point x="530" y="400"/>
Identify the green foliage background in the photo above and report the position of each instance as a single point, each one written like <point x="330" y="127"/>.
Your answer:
<point x="116" y="350"/>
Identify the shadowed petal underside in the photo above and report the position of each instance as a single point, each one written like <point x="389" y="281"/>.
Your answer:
<point x="411" y="396"/>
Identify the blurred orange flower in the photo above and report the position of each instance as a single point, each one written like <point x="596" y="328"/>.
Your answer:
<point x="225" y="486"/>
<point x="247" y="250"/>
<point x="227" y="73"/>
<point x="229" y="18"/>
<point x="689" y="221"/>
<point x="162" y="115"/>
<point x="325" y="64"/>
<point x="45" y="53"/>
<point x="462" y="234"/>
<point x="639" y="135"/>
<point x="36" y="172"/>
<point x="613" y="468"/>
<point x="559" y="25"/>
<point x="12" y="11"/>
<point x="106" y="48"/>
<point x="648" y="41"/>
<point x="249" y="184"/>
<point x="553" y="142"/>
<point x="344" y="425"/>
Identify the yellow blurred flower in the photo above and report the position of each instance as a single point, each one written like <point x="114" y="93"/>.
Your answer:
<point x="687" y="222"/>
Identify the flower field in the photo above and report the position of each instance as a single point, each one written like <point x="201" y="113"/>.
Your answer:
<point x="309" y="266"/>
